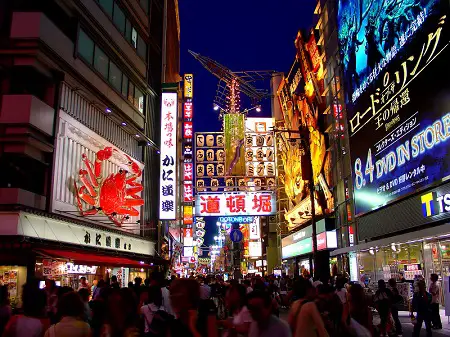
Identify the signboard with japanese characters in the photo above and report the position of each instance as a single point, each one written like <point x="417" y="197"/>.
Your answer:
<point x="398" y="114"/>
<point x="188" y="110"/>
<point x="168" y="155"/>
<point x="259" y="149"/>
<point x="255" y="229"/>
<point x="235" y="203"/>
<point x="209" y="161"/>
<point x="188" y="85"/>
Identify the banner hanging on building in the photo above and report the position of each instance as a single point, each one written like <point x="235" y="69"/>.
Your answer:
<point x="168" y="155"/>
<point x="398" y="115"/>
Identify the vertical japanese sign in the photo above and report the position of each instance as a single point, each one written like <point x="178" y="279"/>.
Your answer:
<point x="234" y="130"/>
<point x="168" y="155"/>
<point x="188" y="85"/>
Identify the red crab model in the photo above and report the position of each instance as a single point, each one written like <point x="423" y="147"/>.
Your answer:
<point x="116" y="195"/>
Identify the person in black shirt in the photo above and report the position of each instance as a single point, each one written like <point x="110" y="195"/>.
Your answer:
<point x="396" y="301"/>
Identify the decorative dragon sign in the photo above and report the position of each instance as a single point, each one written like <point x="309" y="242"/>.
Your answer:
<point x="116" y="195"/>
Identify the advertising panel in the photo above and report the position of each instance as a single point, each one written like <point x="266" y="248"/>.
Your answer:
<point x="255" y="249"/>
<point x="372" y="33"/>
<point x="240" y="203"/>
<point x="399" y="126"/>
<point x="255" y="229"/>
<point x="188" y="110"/>
<point x="299" y="248"/>
<point x="188" y="217"/>
<point x="188" y="85"/>
<point x="188" y="130"/>
<point x="168" y="155"/>
<point x="234" y="132"/>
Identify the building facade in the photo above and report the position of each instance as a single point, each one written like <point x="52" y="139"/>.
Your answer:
<point x="80" y="88"/>
<point x="391" y="205"/>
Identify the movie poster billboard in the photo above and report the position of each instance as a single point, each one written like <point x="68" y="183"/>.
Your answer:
<point x="372" y="32"/>
<point x="234" y="132"/>
<point x="399" y="125"/>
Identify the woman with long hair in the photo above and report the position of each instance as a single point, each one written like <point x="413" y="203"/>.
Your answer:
<point x="192" y="319"/>
<point x="304" y="317"/>
<point x="359" y="317"/>
<point x="236" y="303"/>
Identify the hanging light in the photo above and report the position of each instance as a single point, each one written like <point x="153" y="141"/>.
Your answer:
<point x="258" y="108"/>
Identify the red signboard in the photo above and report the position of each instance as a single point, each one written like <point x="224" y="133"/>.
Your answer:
<point x="188" y="192"/>
<point x="188" y="110"/>
<point x="188" y="169"/>
<point x="313" y="52"/>
<point x="322" y="241"/>
<point x="188" y="130"/>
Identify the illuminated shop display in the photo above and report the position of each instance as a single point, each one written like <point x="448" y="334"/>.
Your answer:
<point x="241" y="203"/>
<point x="298" y="95"/>
<point x="168" y="155"/>
<point x="115" y="195"/>
<point x="399" y="125"/>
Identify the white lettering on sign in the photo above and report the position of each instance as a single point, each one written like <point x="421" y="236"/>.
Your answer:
<point x="241" y="203"/>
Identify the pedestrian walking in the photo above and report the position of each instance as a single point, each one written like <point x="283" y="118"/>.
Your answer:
<point x="396" y="301"/>
<point x="264" y="323"/>
<point x="304" y="317"/>
<point x="382" y="301"/>
<point x="71" y="311"/>
<point x="359" y="318"/>
<point x="421" y="304"/>
<point x="435" y="293"/>
<point x="191" y="319"/>
<point x="239" y="323"/>
<point x="31" y="322"/>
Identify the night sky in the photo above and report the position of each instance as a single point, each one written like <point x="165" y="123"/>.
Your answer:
<point x="241" y="35"/>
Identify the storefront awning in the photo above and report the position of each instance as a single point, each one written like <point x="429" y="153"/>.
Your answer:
<point x="92" y="259"/>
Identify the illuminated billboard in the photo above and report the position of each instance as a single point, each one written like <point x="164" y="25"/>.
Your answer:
<point x="400" y="125"/>
<point x="372" y="33"/>
<point x="240" y="203"/>
<point x="234" y="132"/>
<point x="168" y="156"/>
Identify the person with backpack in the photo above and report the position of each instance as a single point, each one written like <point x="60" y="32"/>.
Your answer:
<point x="304" y="317"/>
<point x="156" y="319"/>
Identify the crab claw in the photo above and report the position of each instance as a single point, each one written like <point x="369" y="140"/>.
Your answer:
<point x="102" y="155"/>
<point x="134" y="167"/>
<point x="105" y="154"/>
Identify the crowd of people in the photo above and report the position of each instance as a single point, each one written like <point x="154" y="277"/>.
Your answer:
<point x="210" y="307"/>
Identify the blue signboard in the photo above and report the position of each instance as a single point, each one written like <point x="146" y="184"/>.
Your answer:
<point x="399" y="126"/>
<point x="236" y="235"/>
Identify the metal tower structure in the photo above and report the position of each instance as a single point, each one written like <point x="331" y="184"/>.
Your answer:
<point x="231" y="83"/>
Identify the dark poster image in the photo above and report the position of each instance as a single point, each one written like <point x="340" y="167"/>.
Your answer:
<point x="400" y="127"/>
<point x="371" y="33"/>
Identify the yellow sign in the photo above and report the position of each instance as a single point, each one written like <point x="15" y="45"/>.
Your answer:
<point x="188" y="85"/>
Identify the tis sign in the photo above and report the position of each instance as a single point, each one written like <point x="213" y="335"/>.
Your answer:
<point x="432" y="204"/>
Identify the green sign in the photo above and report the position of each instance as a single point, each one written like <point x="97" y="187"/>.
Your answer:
<point x="299" y="248"/>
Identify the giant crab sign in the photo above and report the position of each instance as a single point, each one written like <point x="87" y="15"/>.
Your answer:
<point x="116" y="195"/>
